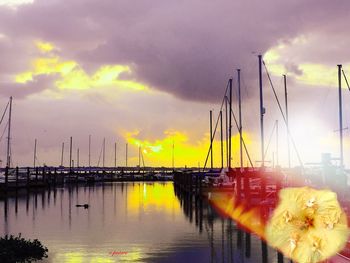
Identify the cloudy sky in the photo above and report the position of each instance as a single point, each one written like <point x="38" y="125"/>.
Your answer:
<point x="148" y="72"/>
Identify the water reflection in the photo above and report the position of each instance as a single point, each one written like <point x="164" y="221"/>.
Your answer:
<point x="145" y="198"/>
<point x="150" y="222"/>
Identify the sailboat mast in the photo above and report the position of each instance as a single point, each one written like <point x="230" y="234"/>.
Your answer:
<point x="287" y="120"/>
<point x="89" y="150"/>
<point x="340" y="117"/>
<point x="78" y="157"/>
<point x="211" y="139"/>
<point x="139" y="156"/>
<point x="226" y="130"/>
<point x="62" y="153"/>
<point x="9" y="136"/>
<point x="262" y="112"/>
<point x="222" y="141"/>
<point x="240" y="117"/>
<point x="70" y="152"/>
<point x="230" y="125"/>
<point x="115" y="154"/>
<point x="277" y="160"/>
<point x="126" y="155"/>
<point x="104" y="152"/>
<point x="173" y="157"/>
<point x="34" y="159"/>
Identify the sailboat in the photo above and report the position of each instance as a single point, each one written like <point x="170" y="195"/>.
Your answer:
<point x="8" y="109"/>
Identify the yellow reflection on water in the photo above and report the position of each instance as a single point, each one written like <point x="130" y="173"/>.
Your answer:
<point x="81" y="257"/>
<point x="157" y="196"/>
<point x="73" y="257"/>
<point x="102" y="260"/>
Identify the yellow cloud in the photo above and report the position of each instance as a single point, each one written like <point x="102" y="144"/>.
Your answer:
<point x="71" y="76"/>
<point x="272" y="55"/>
<point x="313" y="74"/>
<point x="272" y="59"/>
<point x="320" y="75"/>
<point x="24" y="77"/>
<point x="189" y="153"/>
<point x="44" y="46"/>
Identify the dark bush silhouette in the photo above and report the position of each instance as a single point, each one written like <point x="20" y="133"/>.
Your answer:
<point x="16" y="249"/>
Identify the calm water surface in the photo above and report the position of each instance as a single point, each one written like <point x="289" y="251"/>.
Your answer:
<point x="140" y="222"/>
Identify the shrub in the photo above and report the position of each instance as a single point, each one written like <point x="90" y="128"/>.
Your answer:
<point x="17" y="249"/>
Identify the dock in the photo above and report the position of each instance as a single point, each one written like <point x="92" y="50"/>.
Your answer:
<point x="13" y="179"/>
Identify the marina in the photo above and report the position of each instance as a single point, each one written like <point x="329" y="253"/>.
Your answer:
<point x="149" y="222"/>
<point x="174" y="132"/>
<point x="191" y="190"/>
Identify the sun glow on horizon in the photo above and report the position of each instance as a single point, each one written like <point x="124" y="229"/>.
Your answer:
<point x="159" y="152"/>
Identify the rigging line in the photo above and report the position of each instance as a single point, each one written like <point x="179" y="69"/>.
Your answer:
<point x="143" y="160"/>
<point x="3" y="115"/>
<point x="244" y="145"/>
<point x="3" y="133"/>
<point x="99" y="157"/>
<point x="211" y="143"/>
<point x="234" y="91"/>
<point x="346" y="79"/>
<point x="216" y="125"/>
<point x="274" y="91"/>
<point x="283" y="116"/>
<point x="268" y="144"/>
<point x="245" y="87"/>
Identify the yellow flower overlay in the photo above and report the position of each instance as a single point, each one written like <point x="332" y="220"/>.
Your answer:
<point x="308" y="225"/>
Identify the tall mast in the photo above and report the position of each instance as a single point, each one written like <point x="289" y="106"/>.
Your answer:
<point x="240" y="117"/>
<point x="126" y="155"/>
<point x="139" y="156"/>
<point x="62" y="153"/>
<point x="104" y="152"/>
<point x="78" y="157"/>
<point x="173" y="155"/>
<point x="230" y="125"/>
<point x="34" y="159"/>
<point x="277" y="161"/>
<point x="262" y="112"/>
<point x="115" y="154"/>
<point x="9" y="136"/>
<point x="287" y="121"/>
<point x="226" y="130"/>
<point x="70" y="152"/>
<point x="211" y="139"/>
<point x="89" y="150"/>
<point x="340" y="117"/>
<point x="222" y="141"/>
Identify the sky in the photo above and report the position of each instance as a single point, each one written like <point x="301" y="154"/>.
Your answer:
<point x="147" y="73"/>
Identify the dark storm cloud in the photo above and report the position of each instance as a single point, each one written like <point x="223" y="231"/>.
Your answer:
<point x="186" y="48"/>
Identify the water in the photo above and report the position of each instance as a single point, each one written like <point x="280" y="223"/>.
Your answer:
<point x="127" y="222"/>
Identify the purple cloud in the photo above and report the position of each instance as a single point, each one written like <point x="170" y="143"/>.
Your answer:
<point x="186" y="48"/>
